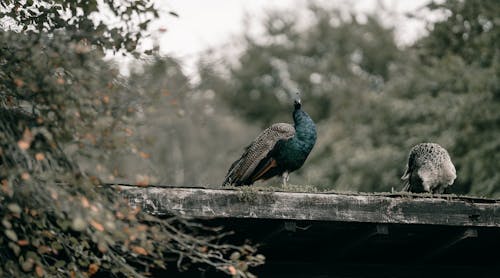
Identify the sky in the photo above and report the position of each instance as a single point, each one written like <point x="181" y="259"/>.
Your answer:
<point x="205" y="24"/>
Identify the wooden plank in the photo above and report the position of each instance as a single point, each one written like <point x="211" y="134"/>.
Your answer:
<point x="370" y="208"/>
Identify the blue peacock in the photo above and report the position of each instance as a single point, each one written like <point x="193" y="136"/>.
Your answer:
<point x="278" y="150"/>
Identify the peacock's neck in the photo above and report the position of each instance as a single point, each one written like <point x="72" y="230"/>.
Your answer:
<point x="305" y="129"/>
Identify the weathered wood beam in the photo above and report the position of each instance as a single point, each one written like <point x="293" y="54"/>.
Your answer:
<point x="370" y="208"/>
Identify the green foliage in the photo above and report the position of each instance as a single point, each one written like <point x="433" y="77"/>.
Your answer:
<point x="81" y="21"/>
<point x="62" y="106"/>
<point x="331" y="56"/>
<point x="470" y="32"/>
<point x="372" y="100"/>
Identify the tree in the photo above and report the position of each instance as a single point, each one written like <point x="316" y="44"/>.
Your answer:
<point x="462" y="56"/>
<point x="61" y="101"/>
<point x="329" y="53"/>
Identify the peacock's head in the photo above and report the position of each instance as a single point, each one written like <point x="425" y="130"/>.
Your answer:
<point x="296" y="102"/>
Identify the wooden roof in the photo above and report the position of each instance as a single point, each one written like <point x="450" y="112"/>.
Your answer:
<point x="395" y="208"/>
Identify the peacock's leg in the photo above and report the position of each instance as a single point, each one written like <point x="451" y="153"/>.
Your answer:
<point x="285" y="178"/>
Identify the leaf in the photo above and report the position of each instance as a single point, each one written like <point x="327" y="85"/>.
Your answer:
<point x="6" y="223"/>
<point x="23" y="242"/>
<point x="139" y="250"/>
<point x="235" y="256"/>
<point x="43" y="249"/>
<point x="11" y="234"/>
<point x="39" y="156"/>
<point x="60" y="264"/>
<point x="25" y="176"/>
<point x="15" y="248"/>
<point x="15" y="208"/>
<point x="56" y="246"/>
<point x="85" y="202"/>
<point x="78" y="224"/>
<point x="39" y="271"/>
<point x="129" y="131"/>
<point x="26" y="140"/>
<point x="93" y="268"/>
<point x="144" y="155"/>
<point x="27" y="265"/>
<point x="102" y="246"/>
<point x="23" y="145"/>
<point x="231" y="270"/>
<point x="160" y="264"/>
<point x="19" y="82"/>
<point x="98" y="226"/>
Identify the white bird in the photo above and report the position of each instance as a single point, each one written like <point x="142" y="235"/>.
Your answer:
<point x="429" y="169"/>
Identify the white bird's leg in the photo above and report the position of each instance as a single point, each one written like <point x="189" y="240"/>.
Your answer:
<point x="285" y="178"/>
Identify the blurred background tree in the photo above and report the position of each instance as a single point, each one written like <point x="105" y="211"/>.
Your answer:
<point x="374" y="100"/>
<point x="66" y="116"/>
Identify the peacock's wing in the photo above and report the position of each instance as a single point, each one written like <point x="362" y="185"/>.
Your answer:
<point x="408" y="171"/>
<point x="242" y="170"/>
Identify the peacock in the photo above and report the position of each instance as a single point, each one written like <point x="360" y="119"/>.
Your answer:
<point x="429" y="169"/>
<point x="278" y="150"/>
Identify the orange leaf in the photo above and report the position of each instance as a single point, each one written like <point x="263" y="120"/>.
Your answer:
<point x="97" y="225"/>
<point x="232" y="270"/>
<point x="144" y="155"/>
<point x="39" y="271"/>
<point x="23" y="144"/>
<point x="25" y="176"/>
<point x="39" y="156"/>
<point x="26" y="140"/>
<point x="85" y="202"/>
<point x="129" y="131"/>
<point x="93" y="268"/>
<point x="19" y="82"/>
<point x="23" y="242"/>
<point x="139" y="250"/>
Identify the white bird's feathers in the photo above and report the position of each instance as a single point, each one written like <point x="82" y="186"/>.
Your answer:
<point x="429" y="169"/>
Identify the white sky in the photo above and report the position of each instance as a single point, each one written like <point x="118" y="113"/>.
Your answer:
<point x="211" y="24"/>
